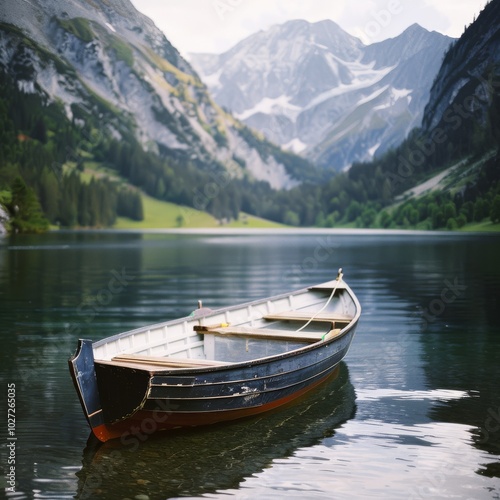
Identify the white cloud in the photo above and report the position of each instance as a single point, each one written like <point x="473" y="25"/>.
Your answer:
<point x="217" y="25"/>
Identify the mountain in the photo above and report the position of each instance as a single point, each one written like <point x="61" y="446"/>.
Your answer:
<point x="320" y="92"/>
<point x="107" y="64"/>
<point x="446" y="173"/>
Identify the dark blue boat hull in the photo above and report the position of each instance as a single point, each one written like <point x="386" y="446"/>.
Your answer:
<point x="140" y="400"/>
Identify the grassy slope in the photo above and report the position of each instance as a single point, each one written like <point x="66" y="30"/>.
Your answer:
<point x="485" y="226"/>
<point x="452" y="179"/>
<point x="163" y="215"/>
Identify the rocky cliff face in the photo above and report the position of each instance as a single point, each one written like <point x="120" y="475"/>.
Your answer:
<point x="470" y="75"/>
<point x="104" y="57"/>
<point x="320" y="92"/>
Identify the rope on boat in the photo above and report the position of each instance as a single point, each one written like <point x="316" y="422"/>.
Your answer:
<point x="339" y="279"/>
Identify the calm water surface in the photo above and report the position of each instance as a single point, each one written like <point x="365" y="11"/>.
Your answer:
<point x="413" y="413"/>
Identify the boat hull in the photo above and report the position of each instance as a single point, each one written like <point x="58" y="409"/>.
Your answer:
<point x="162" y="418"/>
<point x="164" y="400"/>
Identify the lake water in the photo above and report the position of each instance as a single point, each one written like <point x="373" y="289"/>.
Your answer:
<point x="413" y="413"/>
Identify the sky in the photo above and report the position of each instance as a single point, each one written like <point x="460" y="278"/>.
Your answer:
<point x="216" y="25"/>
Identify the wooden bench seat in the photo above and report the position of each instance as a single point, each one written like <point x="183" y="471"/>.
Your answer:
<point x="264" y="333"/>
<point x="306" y="316"/>
<point x="329" y="286"/>
<point x="158" y="361"/>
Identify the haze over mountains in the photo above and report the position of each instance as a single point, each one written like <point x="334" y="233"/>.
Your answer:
<point x="320" y="92"/>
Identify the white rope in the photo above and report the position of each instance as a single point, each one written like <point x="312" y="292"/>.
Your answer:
<point x="339" y="279"/>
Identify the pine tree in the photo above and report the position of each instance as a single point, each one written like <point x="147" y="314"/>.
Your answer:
<point x="26" y="210"/>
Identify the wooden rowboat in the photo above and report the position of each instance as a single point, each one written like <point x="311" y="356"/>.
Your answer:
<point x="214" y="365"/>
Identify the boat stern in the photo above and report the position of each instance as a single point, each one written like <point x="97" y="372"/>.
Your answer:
<point x="81" y="367"/>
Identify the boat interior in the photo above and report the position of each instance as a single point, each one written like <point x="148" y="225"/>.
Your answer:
<point x="242" y="333"/>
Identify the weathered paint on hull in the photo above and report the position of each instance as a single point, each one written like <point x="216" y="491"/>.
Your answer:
<point x="146" y="422"/>
<point x="136" y="401"/>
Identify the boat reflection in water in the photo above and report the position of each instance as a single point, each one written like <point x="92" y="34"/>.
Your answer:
<point x="203" y="460"/>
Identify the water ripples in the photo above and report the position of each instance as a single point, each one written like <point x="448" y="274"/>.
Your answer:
<point x="409" y="419"/>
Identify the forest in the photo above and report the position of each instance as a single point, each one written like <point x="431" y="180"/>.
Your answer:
<point x="37" y="144"/>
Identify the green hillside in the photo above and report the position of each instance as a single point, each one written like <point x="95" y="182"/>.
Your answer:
<point x="164" y="215"/>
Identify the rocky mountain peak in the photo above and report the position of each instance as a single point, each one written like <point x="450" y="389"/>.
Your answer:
<point x="315" y="89"/>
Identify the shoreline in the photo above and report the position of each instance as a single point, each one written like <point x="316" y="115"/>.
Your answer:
<point x="275" y="231"/>
<point x="283" y="231"/>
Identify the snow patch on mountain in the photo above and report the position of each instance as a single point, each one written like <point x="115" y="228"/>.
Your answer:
<point x="213" y="81"/>
<point x="279" y="106"/>
<point x="295" y="145"/>
<point x="365" y="77"/>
